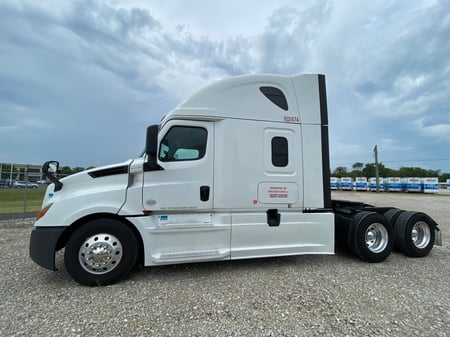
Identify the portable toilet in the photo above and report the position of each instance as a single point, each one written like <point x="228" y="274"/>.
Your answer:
<point x="394" y="184"/>
<point x="346" y="184"/>
<point x="373" y="184"/>
<point x="334" y="183"/>
<point x="414" y="184"/>
<point x="448" y="184"/>
<point x="361" y="184"/>
<point x="430" y="185"/>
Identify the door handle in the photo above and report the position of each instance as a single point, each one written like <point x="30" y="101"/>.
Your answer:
<point x="204" y="193"/>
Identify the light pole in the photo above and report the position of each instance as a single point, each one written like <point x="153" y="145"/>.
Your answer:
<point x="377" y="175"/>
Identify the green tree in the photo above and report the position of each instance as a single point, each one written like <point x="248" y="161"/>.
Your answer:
<point x="369" y="170"/>
<point x="65" y="171"/>
<point x="77" y="169"/>
<point x="358" y="166"/>
<point x="340" y="171"/>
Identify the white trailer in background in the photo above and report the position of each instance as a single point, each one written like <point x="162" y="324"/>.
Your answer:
<point x="414" y="184"/>
<point x="334" y="183"/>
<point x="430" y="185"/>
<point x="393" y="184"/>
<point x="361" y="183"/>
<point x="448" y="183"/>
<point x="373" y="184"/>
<point x="239" y="170"/>
<point x="346" y="183"/>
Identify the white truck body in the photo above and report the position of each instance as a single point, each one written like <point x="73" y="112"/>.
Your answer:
<point x="393" y="184"/>
<point x="239" y="170"/>
<point x="335" y="183"/>
<point x="414" y="184"/>
<point x="430" y="185"/>
<point x="361" y="184"/>
<point x="346" y="183"/>
<point x="373" y="184"/>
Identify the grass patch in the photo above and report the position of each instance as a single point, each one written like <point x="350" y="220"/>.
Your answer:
<point x="12" y="200"/>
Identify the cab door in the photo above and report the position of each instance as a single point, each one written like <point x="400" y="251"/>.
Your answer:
<point x="186" y="157"/>
<point x="182" y="226"/>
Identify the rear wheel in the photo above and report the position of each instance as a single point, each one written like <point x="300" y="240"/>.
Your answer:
<point x="414" y="234"/>
<point x="101" y="252"/>
<point x="372" y="237"/>
<point x="392" y="215"/>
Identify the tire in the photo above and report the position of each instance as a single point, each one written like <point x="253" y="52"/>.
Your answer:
<point x="414" y="234"/>
<point x="372" y="237"/>
<point x="392" y="215"/>
<point x="101" y="252"/>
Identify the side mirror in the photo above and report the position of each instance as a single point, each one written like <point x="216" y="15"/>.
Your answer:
<point x="151" y="149"/>
<point x="151" y="143"/>
<point x="50" y="168"/>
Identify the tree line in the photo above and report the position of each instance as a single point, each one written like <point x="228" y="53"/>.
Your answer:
<point x="358" y="170"/>
<point x="368" y="170"/>
<point x="67" y="170"/>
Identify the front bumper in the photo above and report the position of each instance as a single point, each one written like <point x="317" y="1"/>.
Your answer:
<point x="43" y="245"/>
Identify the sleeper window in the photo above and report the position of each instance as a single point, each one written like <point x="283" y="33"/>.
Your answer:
<point x="183" y="143"/>
<point x="280" y="153"/>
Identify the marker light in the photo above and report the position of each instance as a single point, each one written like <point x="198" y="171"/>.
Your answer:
<point x="43" y="211"/>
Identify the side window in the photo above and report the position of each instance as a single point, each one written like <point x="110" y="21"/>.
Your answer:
<point x="183" y="143"/>
<point x="280" y="152"/>
<point x="276" y="96"/>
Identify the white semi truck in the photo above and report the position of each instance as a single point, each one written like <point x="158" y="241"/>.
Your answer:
<point x="239" y="170"/>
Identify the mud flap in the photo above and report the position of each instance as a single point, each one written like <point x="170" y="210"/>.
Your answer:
<point x="438" y="237"/>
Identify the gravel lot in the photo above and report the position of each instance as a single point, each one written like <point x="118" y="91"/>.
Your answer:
<point x="293" y="296"/>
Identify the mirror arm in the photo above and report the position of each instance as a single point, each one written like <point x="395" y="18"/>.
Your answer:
<point x="152" y="165"/>
<point x="50" y="176"/>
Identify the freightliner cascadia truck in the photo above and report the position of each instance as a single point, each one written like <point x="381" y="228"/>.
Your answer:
<point x="239" y="170"/>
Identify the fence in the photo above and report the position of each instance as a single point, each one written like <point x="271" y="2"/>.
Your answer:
<point x="15" y="204"/>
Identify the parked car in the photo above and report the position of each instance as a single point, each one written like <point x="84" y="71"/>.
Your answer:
<point x="5" y="183"/>
<point x="23" y="184"/>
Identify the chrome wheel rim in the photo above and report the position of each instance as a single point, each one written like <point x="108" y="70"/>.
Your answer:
<point x="100" y="253"/>
<point x="376" y="238"/>
<point x="421" y="234"/>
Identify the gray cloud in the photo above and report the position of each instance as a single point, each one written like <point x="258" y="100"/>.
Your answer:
<point x="81" y="80"/>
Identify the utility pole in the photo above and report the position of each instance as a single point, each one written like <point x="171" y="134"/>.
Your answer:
<point x="10" y="175"/>
<point x="377" y="175"/>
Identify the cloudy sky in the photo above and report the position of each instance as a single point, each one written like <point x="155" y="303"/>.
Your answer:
<point x="81" y="80"/>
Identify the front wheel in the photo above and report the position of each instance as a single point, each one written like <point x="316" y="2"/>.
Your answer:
<point x="101" y="252"/>
<point x="414" y="234"/>
<point x="372" y="237"/>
